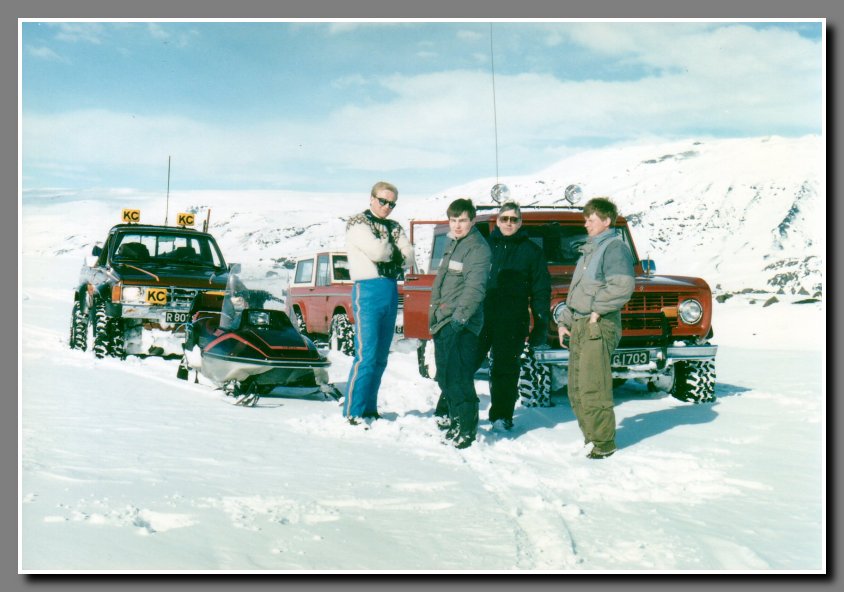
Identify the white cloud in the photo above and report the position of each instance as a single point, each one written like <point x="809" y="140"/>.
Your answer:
<point x="336" y="28"/>
<point x="467" y="35"/>
<point x="44" y="53"/>
<point x="700" y="48"/>
<point x="157" y="31"/>
<point x="80" y="32"/>
<point x="180" y="39"/>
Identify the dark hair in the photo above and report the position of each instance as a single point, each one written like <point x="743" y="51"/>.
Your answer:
<point x="384" y="185"/>
<point x="460" y="206"/>
<point x="510" y="205"/>
<point x="602" y="207"/>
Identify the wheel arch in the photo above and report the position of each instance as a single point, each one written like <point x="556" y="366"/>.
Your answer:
<point x="345" y="309"/>
<point x="299" y="307"/>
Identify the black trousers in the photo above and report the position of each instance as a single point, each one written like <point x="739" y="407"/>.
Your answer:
<point x="504" y="333"/>
<point x="456" y="352"/>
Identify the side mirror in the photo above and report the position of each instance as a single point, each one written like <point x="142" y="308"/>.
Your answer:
<point x="96" y="250"/>
<point x="649" y="266"/>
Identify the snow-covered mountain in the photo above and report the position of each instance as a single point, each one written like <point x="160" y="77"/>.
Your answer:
<point x="744" y="214"/>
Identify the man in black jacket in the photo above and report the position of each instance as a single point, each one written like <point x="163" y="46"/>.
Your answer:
<point x="519" y="283"/>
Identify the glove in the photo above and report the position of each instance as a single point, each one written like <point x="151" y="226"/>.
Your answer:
<point x="539" y="333"/>
<point x="396" y="258"/>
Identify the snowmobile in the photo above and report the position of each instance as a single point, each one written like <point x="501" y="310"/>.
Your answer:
<point x="242" y="340"/>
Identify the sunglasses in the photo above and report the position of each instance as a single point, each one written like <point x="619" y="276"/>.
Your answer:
<point x="509" y="219"/>
<point x="386" y="202"/>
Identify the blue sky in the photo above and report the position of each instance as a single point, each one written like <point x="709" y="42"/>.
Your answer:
<point x="336" y="106"/>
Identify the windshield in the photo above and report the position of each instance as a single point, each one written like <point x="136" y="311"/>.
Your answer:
<point x="245" y="291"/>
<point x="149" y="248"/>
<point x="559" y="242"/>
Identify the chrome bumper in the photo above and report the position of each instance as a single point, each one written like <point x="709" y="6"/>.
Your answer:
<point x="658" y="357"/>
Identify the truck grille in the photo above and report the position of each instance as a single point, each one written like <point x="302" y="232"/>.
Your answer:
<point x="641" y="313"/>
<point x="182" y="297"/>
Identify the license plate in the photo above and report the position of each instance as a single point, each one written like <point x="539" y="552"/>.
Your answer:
<point x="171" y="316"/>
<point x="157" y="296"/>
<point x="630" y="358"/>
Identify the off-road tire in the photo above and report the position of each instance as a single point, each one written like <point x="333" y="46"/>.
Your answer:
<point x="534" y="381"/>
<point x="341" y="334"/>
<point x="108" y="334"/>
<point x="78" y="328"/>
<point x="300" y="323"/>
<point x="694" y="381"/>
<point x="425" y="359"/>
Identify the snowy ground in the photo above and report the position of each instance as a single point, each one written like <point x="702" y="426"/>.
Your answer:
<point x="126" y="468"/>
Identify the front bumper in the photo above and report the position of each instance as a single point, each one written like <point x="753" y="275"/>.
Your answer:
<point x="658" y="358"/>
<point x="156" y="315"/>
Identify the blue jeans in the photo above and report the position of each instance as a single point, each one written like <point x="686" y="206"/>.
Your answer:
<point x="375" y="305"/>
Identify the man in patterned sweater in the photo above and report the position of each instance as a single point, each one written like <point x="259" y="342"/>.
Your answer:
<point x="378" y="251"/>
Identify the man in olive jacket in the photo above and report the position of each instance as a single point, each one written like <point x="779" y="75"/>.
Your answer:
<point x="456" y="317"/>
<point x="602" y="283"/>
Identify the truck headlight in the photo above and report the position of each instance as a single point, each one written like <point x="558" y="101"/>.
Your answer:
<point x="690" y="311"/>
<point x="557" y="312"/>
<point x="134" y="294"/>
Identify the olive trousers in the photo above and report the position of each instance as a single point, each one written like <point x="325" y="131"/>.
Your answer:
<point x="590" y="378"/>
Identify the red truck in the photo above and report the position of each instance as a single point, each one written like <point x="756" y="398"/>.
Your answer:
<point x="319" y="299"/>
<point x="666" y="325"/>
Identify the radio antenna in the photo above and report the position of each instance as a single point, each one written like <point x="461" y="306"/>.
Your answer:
<point x="494" y="109"/>
<point x="167" y="203"/>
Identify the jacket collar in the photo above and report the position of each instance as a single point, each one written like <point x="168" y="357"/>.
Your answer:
<point x="593" y="242"/>
<point x="520" y="235"/>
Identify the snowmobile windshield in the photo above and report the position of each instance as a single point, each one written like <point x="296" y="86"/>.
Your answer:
<point x="259" y="294"/>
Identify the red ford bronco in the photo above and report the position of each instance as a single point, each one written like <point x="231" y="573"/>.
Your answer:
<point x="666" y="325"/>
